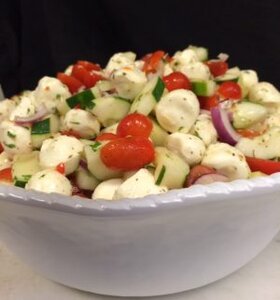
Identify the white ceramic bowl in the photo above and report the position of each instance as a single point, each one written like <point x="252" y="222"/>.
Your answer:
<point x="150" y="246"/>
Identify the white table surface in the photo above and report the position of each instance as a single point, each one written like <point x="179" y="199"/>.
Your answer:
<point x="258" y="280"/>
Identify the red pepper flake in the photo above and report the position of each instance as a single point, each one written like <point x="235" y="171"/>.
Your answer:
<point x="60" y="168"/>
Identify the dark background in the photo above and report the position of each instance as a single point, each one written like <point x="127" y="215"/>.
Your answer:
<point x="39" y="38"/>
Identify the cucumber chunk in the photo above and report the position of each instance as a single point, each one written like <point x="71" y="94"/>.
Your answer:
<point x="110" y="110"/>
<point x="246" y="114"/>
<point x="230" y="75"/>
<point x="43" y="129"/>
<point x="83" y="100"/>
<point x="158" y="134"/>
<point x="24" y="166"/>
<point x="85" y="180"/>
<point x="149" y="96"/>
<point x="95" y="164"/>
<point x="171" y="170"/>
<point x="204" y="88"/>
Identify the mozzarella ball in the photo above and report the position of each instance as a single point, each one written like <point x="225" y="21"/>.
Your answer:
<point x="187" y="146"/>
<point x="107" y="189"/>
<point x="49" y="181"/>
<point x="141" y="184"/>
<point x="128" y="81"/>
<point x="15" y="139"/>
<point x="273" y="120"/>
<point x="227" y="160"/>
<point x="177" y="111"/>
<point x="204" y="129"/>
<point x="61" y="149"/>
<point x="24" y="109"/>
<point x="196" y="71"/>
<point x="182" y="58"/>
<point x="264" y="93"/>
<point x="120" y="60"/>
<point x="51" y="92"/>
<point x="82" y="122"/>
<point x="6" y="107"/>
<point x="266" y="146"/>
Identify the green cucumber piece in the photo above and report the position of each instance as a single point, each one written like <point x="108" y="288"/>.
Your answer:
<point x="230" y="75"/>
<point x="204" y="88"/>
<point x="95" y="164"/>
<point x="171" y="170"/>
<point x="85" y="180"/>
<point x="24" y="166"/>
<point x="158" y="134"/>
<point x="246" y="114"/>
<point x="158" y="89"/>
<point x="83" y="100"/>
<point x="43" y="129"/>
<point x="110" y="110"/>
<point x="146" y="100"/>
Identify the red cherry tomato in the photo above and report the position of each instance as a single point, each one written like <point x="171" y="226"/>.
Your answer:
<point x="230" y="89"/>
<point x="249" y="133"/>
<point x="135" y="124"/>
<point x="89" y="79"/>
<point x="73" y="84"/>
<point x="89" y="65"/>
<point x="60" y="168"/>
<point x="217" y="67"/>
<point x="264" y="165"/>
<point x="196" y="172"/>
<point x="208" y="102"/>
<point x="107" y="136"/>
<point x="177" y="80"/>
<point x="152" y="61"/>
<point x="127" y="154"/>
<point x="1" y="148"/>
<point x="6" y="175"/>
<point x="71" y="133"/>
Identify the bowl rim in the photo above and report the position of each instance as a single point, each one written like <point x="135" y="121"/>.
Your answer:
<point x="194" y="195"/>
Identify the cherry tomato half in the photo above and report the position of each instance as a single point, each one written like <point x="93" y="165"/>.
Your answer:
<point x="6" y="175"/>
<point x="89" y="65"/>
<point x="230" y="89"/>
<point x="208" y="102"/>
<point x="135" y="124"/>
<point x="89" y="79"/>
<point x="71" y="133"/>
<point x="264" y="165"/>
<point x="177" y="80"/>
<point x="128" y="153"/>
<point x="73" y="84"/>
<point x="106" y="136"/>
<point x="217" y="67"/>
<point x="249" y="133"/>
<point x="152" y="60"/>
<point x="196" y="172"/>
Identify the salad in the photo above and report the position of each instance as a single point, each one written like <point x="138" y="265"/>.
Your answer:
<point x="140" y="126"/>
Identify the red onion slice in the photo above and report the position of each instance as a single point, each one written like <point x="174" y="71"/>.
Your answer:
<point x="223" y="126"/>
<point x="83" y="164"/>
<point x="210" y="178"/>
<point x="40" y="113"/>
